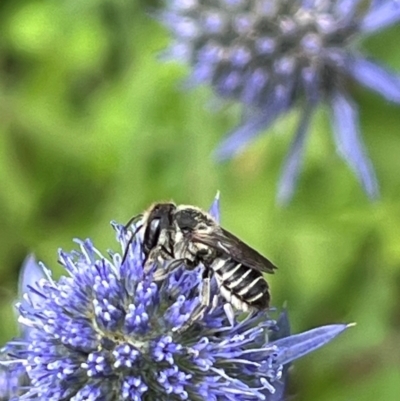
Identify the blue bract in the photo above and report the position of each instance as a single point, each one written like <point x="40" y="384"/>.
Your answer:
<point x="273" y="55"/>
<point x="107" y="331"/>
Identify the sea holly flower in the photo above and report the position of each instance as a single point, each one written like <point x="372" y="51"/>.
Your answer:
<point x="274" y="55"/>
<point x="106" y="330"/>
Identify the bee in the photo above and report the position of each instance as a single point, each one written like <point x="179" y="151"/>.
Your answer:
<point x="189" y="234"/>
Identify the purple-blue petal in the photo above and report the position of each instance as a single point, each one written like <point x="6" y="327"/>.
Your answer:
<point x="214" y="209"/>
<point x="346" y="8"/>
<point x="279" y="386"/>
<point x="283" y="326"/>
<point x="241" y="136"/>
<point x="375" y="77"/>
<point x="349" y="143"/>
<point x="283" y="330"/>
<point x="279" y="101"/>
<point x="291" y="167"/>
<point x="381" y="16"/>
<point x="29" y="275"/>
<point x="298" y="345"/>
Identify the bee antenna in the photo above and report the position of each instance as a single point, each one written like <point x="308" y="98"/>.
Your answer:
<point x="129" y="243"/>
<point x="132" y="220"/>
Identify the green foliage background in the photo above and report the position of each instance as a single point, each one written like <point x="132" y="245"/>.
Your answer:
<point x="94" y="127"/>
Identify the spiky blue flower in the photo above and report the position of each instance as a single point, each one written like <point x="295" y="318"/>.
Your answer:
<point x="107" y="331"/>
<point x="274" y="55"/>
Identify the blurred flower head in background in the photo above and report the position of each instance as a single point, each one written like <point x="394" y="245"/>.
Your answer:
<point x="108" y="331"/>
<point x="273" y="55"/>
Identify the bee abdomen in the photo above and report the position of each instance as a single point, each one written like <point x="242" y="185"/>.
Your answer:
<point x="243" y="287"/>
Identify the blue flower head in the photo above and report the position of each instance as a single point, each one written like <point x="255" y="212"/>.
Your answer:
<point x="107" y="331"/>
<point x="273" y="55"/>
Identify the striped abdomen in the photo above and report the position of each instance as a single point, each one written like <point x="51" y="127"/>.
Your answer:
<point x="243" y="287"/>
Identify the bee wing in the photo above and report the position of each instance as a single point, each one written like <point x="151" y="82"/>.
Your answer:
<point x="227" y="243"/>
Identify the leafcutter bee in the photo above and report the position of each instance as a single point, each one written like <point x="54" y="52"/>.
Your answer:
<point x="189" y="234"/>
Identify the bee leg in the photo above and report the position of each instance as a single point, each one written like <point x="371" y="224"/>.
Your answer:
<point x="205" y="295"/>
<point x="205" y="301"/>
<point x="161" y="273"/>
<point x="168" y="254"/>
<point x="152" y="258"/>
<point x="230" y="314"/>
<point x="214" y="302"/>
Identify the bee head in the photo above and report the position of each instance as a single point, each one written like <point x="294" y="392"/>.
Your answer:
<point x="161" y="209"/>
<point x="161" y="212"/>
